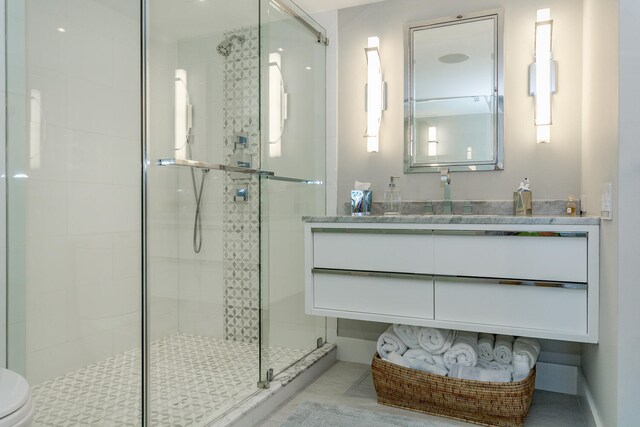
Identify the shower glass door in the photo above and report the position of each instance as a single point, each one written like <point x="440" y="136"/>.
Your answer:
<point x="203" y="105"/>
<point x="231" y="171"/>
<point x="293" y="133"/>
<point x="73" y="208"/>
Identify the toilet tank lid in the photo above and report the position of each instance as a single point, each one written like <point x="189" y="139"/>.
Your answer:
<point x="14" y="392"/>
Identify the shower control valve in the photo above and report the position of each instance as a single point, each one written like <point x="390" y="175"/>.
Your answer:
<point x="240" y="140"/>
<point x="241" y="194"/>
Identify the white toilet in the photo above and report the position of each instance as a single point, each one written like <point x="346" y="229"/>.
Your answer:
<point x="16" y="406"/>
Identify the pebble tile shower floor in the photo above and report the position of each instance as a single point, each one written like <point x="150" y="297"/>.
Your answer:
<point x="193" y="381"/>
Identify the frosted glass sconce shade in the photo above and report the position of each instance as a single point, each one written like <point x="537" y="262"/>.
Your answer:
<point x="277" y="105"/>
<point x="433" y="141"/>
<point x="35" y="129"/>
<point x="182" y="122"/>
<point x="542" y="76"/>
<point x="374" y="96"/>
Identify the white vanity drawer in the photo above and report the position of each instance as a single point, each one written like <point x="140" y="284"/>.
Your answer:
<point x="410" y="251"/>
<point x="399" y="296"/>
<point x="557" y="257"/>
<point x="557" y="309"/>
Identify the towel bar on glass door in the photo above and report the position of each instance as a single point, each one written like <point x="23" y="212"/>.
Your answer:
<point x="212" y="166"/>
<point x="229" y="168"/>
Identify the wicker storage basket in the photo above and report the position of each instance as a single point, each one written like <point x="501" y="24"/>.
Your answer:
<point x="484" y="403"/>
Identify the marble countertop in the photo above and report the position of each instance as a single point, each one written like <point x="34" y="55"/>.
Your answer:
<point x="457" y="219"/>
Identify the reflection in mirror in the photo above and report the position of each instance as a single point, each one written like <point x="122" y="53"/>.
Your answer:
<point x="453" y="114"/>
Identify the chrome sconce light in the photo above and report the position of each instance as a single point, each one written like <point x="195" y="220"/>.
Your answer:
<point x="542" y="76"/>
<point x="375" y="102"/>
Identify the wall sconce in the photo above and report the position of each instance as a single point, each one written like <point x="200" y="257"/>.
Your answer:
<point x="375" y="89"/>
<point x="183" y="114"/>
<point x="433" y="141"/>
<point x="277" y="105"/>
<point x="542" y="76"/>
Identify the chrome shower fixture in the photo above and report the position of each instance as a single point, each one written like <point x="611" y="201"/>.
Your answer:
<point x="224" y="48"/>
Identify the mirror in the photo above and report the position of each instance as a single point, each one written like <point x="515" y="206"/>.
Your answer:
<point x="453" y="94"/>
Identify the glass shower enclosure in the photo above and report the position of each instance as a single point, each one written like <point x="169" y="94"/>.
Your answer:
<point x="161" y="155"/>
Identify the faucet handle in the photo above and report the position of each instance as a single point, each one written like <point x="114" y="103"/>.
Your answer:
<point x="445" y="176"/>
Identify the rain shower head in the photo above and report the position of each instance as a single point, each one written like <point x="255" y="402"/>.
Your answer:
<point x="224" y="48"/>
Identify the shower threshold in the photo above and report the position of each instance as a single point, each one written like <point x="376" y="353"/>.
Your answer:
<point x="195" y="380"/>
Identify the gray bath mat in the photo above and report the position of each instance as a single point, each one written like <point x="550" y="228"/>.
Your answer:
<point x="311" y="414"/>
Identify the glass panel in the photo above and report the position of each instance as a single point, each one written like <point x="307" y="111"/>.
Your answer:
<point x="203" y="228"/>
<point x="293" y="121"/>
<point x="288" y="333"/>
<point x="74" y="217"/>
<point x="293" y="89"/>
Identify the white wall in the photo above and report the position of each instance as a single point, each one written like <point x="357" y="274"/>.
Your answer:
<point x="3" y="247"/>
<point x="162" y="190"/>
<point x="329" y="20"/>
<point x="554" y="169"/>
<point x="186" y="289"/>
<point x="599" y="165"/>
<point x="82" y="197"/>
<point x="200" y="275"/>
<point x="628" y="209"/>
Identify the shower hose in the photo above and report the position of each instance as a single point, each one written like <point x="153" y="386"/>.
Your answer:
<point x="197" y="193"/>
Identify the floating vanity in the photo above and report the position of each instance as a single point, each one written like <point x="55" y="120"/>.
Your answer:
<point x="529" y="276"/>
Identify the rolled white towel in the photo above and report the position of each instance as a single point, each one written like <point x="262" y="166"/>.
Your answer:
<point x="463" y="351"/>
<point x="422" y="365"/>
<point x="439" y="360"/>
<point x="521" y="367"/>
<point x="478" y="373"/>
<point x="408" y="334"/>
<point x="485" y="347"/>
<point x="528" y="347"/>
<point x="503" y="349"/>
<point x="419" y="354"/>
<point x="495" y="365"/>
<point x="399" y="360"/>
<point x="436" y="341"/>
<point x="421" y="360"/>
<point x="389" y="342"/>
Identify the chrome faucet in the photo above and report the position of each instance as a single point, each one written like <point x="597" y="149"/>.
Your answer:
<point x="445" y="179"/>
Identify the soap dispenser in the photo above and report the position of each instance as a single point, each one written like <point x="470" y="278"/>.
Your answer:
<point x="392" y="199"/>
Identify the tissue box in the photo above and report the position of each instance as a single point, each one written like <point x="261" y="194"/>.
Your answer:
<point x="361" y="202"/>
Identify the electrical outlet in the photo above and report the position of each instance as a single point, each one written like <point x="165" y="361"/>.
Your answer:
<point x="606" y="202"/>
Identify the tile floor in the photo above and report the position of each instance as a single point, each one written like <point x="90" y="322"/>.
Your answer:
<point x="193" y="380"/>
<point x="350" y="384"/>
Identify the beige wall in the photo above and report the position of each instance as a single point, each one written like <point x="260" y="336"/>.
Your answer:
<point x="554" y="169"/>
<point x="600" y="165"/>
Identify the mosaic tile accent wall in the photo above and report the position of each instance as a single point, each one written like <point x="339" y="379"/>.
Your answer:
<point x="241" y="219"/>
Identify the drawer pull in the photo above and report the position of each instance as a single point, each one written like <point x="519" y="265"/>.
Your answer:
<point x="370" y="230"/>
<point x="508" y="233"/>
<point x="377" y="274"/>
<point x="509" y="282"/>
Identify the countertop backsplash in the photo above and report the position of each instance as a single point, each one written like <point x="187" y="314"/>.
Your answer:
<point x="479" y="207"/>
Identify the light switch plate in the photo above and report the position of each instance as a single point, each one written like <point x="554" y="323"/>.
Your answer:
<point x="606" y="202"/>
